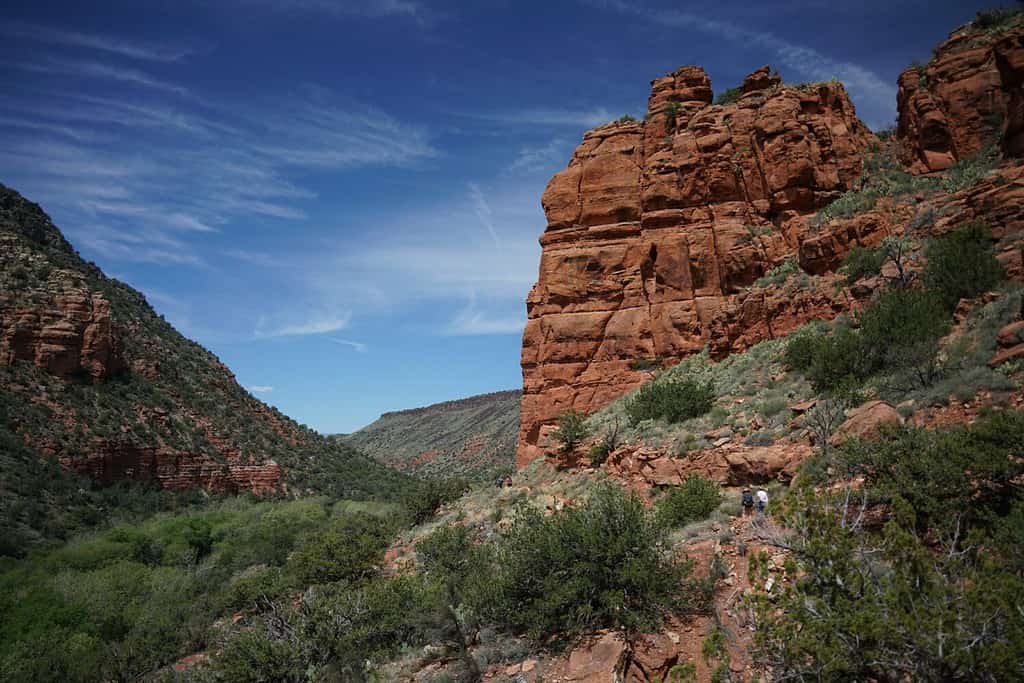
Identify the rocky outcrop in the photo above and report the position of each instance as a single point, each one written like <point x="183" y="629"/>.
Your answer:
<point x="866" y="420"/>
<point x="657" y="232"/>
<point x="94" y="378"/>
<point x="71" y="335"/>
<point x="1010" y="343"/>
<point x="113" y="462"/>
<point x="966" y="97"/>
<point x="730" y="464"/>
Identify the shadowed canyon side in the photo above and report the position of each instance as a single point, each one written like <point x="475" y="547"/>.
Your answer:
<point x="470" y="437"/>
<point x="93" y="377"/>
<point x="660" y="233"/>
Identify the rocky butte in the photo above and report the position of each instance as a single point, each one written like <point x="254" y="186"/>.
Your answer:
<point x="659" y="231"/>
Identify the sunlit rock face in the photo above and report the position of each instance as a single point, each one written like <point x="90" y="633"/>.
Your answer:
<point x="657" y="229"/>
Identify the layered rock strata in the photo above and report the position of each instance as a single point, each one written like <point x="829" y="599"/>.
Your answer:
<point x="657" y="232"/>
<point x="967" y="97"/>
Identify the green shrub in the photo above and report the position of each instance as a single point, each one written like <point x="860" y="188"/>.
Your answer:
<point x="597" y="565"/>
<point x="862" y="262"/>
<point x="348" y="550"/>
<point x="464" y="566"/>
<point x="996" y="18"/>
<point x="255" y="657"/>
<point x="692" y="501"/>
<point x="828" y="360"/>
<point x="350" y="626"/>
<point x="424" y="498"/>
<point x="930" y="593"/>
<point x="572" y="428"/>
<point x="962" y="264"/>
<point x="729" y="96"/>
<point x="673" y="400"/>
<point x="901" y="330"/>
<point x="779" y="274"/>
<point x="598" y="454"/>
<point x="971" y="169"/>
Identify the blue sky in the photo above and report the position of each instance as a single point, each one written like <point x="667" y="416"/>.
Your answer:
<point x="342" y="199"/>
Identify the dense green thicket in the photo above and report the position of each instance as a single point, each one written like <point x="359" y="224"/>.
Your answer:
<point x="138" y="596"/>
<point x="932" y="588"/>
<point x="692" y="501"/>
<point x="899" y="332"/>
<point x="599" y="565"/>
<point x="672" y="399"/>
<point x="961" y="265"/>
<point x="122" y="603"/>
<point x="203" y="410"/>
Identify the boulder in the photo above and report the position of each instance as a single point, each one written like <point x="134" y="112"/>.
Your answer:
<point x="865" y="420"/>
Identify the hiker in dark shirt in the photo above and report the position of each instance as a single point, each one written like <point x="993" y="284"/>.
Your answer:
<point x="748" y="502"/>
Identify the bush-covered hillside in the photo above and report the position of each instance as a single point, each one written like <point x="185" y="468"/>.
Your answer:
<point x="167" y="396"/>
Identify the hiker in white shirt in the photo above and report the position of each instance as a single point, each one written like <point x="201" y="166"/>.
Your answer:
<point x="762" y="501"/>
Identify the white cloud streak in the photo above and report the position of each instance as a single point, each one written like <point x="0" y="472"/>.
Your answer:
<point x="90" y="69"/>
<point x="586" y="118"/>
<point x="535" y="158"/>
<point x="483" y="212"/>
<point x="358" y="347"/>
<point x="261" y="389"/>
<point x="93" y="41"/>
<point x="321" y="324"/>
<point x="863" y="84"/>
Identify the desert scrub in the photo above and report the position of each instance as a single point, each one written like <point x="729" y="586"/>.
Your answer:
<point x="971" y="169"/>
<point x="962" y="264"/>
<point x="882" y="177"/>
<point x="596" y="565"/>
<point x="729" y="96"/>
<point x="862" y="262"/>
<point x="572" y="428"/>
<point x="673" y="400"/>
<point x="692" y="501"/>
<point x="779" y="274"/>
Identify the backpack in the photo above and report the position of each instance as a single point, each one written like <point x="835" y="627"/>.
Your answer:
<point x="748" y="499"/>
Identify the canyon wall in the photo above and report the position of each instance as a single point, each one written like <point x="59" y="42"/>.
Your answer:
<point x="968" y="95"/>
<point x="660" y="232"/>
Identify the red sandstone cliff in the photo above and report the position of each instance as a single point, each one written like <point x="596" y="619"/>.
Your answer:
<point x="658" y="230"/>
<point x="967" y="96"/>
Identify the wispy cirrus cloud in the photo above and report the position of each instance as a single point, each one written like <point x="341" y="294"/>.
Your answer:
<point x="318" y="324"/>
<point x="358" y="347"/>
<point x="101" y="70"/>
<point x="123" y="170"/>
<point x="866" y="87"/>
<point x="535" y="158"/>
<point x="261" y="388"/>
<point x="586" y="118"/>
<point x="94" y="41"/>
<point x="351" y="8"/>
<point x="478" y="323"/>
<point x="317" y="136"/>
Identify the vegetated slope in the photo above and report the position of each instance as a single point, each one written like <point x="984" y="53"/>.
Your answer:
<point x="93" y="378"/>
<point x="678" y="232"/>
<point x="470" y="437"/>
